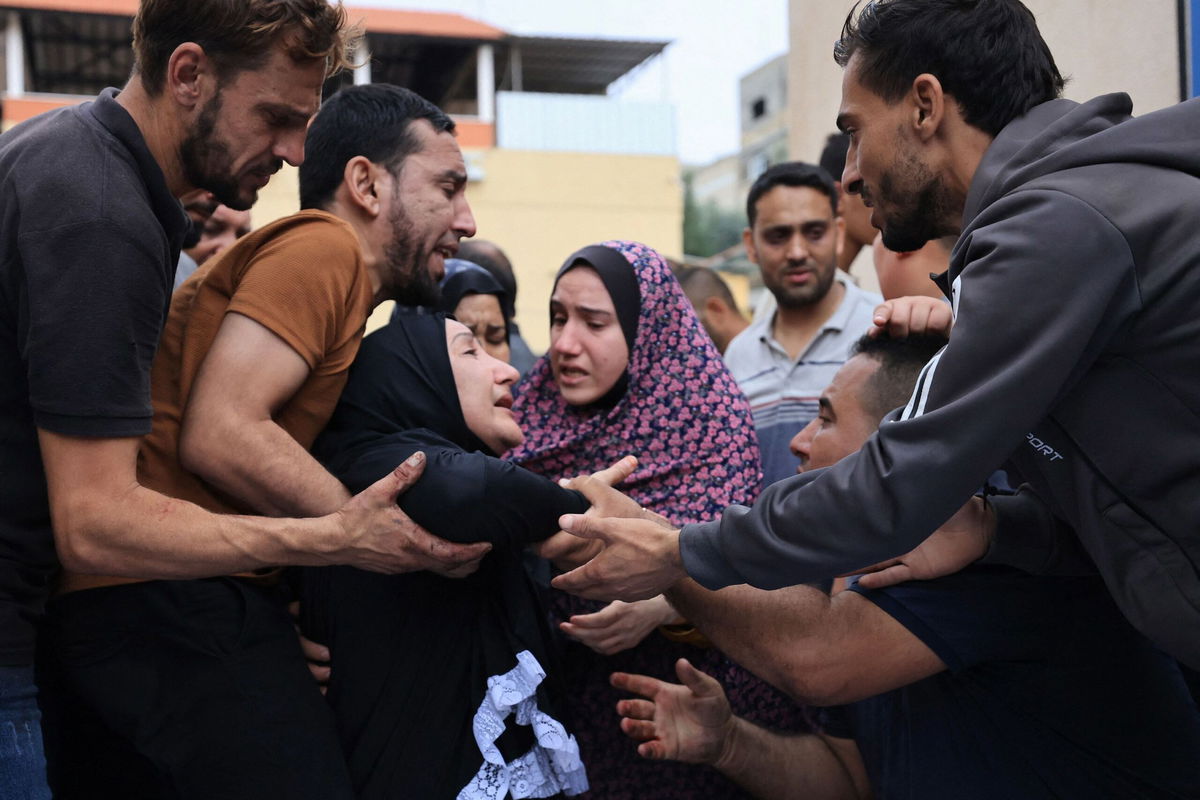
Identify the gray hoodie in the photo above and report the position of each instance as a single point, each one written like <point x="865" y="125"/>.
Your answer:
<point x="1076" y="353"/>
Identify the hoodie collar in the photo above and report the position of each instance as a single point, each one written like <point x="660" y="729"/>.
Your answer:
<point x="1024" y="148"/>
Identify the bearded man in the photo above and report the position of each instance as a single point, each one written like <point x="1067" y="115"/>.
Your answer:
<point x="90" y="232"/>
<point x="201" y="683"/>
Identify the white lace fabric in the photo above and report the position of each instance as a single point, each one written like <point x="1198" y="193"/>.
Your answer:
<point x="549" y="767"/>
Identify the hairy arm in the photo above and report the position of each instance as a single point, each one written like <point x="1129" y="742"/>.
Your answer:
<point x="107" y="523"/>
<point x="819" y="649"/>
<point x="776" y="765"/>
<point x="229" y="436"/>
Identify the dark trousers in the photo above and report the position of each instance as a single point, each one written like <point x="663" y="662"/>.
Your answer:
<point x="183" y="689"/>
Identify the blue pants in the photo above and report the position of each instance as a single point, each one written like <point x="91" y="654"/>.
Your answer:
<point x="22" y="760"/>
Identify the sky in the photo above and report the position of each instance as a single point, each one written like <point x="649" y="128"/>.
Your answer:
<point x="714" y="43"/>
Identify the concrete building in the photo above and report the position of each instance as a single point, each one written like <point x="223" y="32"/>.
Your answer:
<point x="764" y="119"/>
<point x="1144" y="47"/>
<point x="719" y="182"/>
<point x="555" y="163"/>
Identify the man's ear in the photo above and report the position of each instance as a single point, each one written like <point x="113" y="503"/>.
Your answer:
<point x="715" y="306"/>
<point x="748" y="243"/>
<point x="190" y="77"/>
<point x="929" y="105"/>
<point x="360" y="179"/>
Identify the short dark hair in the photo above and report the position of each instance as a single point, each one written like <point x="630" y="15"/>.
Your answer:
<point x="238" y="34"/>
<point x="701" y="283"/>
<point x="900" y="362"/>
<point x="794" y="174"/>
<point x="833" y="156"/>
<point x="374" y="121"/>
<point x="988" y="54"/>
<point x="489" y="256"/>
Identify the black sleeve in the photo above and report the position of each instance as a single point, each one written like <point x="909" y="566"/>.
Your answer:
<point x="988" y="614"/>
<point x="461" y="496"/>
<point x="1030" y="538"/>
<point x="97" y="299"/>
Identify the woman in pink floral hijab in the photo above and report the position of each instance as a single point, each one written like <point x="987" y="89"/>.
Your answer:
<point x="680" y="411"/>
<point x="631" y="372"/>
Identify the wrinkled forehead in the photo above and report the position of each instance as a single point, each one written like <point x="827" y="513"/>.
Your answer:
<point x="457" y="333"/>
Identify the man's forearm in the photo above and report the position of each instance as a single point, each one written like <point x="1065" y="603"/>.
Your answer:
<point x="144" y="534"/>
<point x="106" y="523"/>
<point x="760" y="630"/>
<point x="264" y="469"/>
<point x="774" y="766"/>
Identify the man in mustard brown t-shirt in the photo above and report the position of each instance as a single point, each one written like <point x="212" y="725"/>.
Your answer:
<point x="201" y="684"/>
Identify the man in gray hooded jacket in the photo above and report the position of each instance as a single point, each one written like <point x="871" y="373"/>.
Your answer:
<point x="1075" y="285"/>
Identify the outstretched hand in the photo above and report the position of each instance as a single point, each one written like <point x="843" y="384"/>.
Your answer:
<point x="908" y="316"/>
<point x="567" y="551"/>
<point x="619" y="626"/>
<point x="640" y="558"/>
<point x="690" y="722"/>
<point x="380" y="537"/>
<point x="607" y="501"/>
<point x="962" y="540"/>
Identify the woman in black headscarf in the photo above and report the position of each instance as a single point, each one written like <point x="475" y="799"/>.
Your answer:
<point x="477" y="300"/>
<point x="442" y="688"/>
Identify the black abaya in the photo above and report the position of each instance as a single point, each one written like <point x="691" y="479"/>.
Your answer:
<point x="423" y="666"/>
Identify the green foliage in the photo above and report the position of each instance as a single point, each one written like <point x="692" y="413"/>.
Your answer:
<point x="708" y="229"/>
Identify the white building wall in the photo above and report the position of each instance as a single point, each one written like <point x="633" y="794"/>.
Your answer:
<point x="1101" y="45"/>
<point x="583" y="124"/>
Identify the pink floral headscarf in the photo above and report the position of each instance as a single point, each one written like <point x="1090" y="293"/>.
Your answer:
<point x="682" y="414"/>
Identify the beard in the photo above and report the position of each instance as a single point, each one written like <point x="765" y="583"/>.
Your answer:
<point x="923" y="207"/>
<point x="207" y="163"/>
<point x="801" y="296"/>
<point x="406" y="270"/>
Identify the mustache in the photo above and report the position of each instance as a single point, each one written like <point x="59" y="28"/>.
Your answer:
<point x="270" y="168"/>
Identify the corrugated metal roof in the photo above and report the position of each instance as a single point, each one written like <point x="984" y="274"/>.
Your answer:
<point x="578" y="66"/>
<point x="81" y="46"/>
<point x="76" y="53"/>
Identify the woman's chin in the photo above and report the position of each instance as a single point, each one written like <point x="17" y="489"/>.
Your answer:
<point x="578" y="395"/>
<point x="508" y="437"/>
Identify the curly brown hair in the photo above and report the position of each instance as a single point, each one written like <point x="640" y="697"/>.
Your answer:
<point x="238" y="34"/>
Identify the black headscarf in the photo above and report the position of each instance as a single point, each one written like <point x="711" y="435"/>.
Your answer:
<point x="619" y="280"/>
<point x="413" y="654"/>
<point x="400" y="381"/>
<point x="466" y="277"/>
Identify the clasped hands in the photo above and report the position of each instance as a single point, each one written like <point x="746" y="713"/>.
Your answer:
<point x="617" y="550"/>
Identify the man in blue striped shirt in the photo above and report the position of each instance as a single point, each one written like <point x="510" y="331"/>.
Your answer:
<point x="784" y="360"/>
